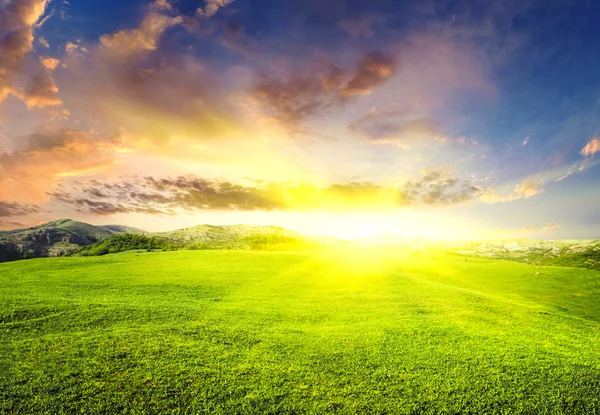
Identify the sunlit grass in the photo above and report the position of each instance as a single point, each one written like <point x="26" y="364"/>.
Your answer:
<point x="338" y="331"/>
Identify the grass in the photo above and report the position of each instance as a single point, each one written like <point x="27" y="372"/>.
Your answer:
<point x="230" y="332"/>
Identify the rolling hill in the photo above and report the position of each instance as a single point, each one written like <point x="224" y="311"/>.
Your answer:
<point x="56" y="238"/>
<point x="68" y="237"/>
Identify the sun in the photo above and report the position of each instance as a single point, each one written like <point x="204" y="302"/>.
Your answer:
<point x="405" y="223"/>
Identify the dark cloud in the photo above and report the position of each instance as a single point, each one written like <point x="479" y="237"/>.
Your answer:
<point x="299" y="97"/>
<point x="102" y="208"/>
<point x="47" y="140"/>
<point x="8" y="209"/>
<point x="437" y="188"/>
<point x="165" y="195"/>
<point x="41" y="91"/>
<point x="372" y="70"/>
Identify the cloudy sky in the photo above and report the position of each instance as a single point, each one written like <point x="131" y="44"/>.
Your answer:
<point x="435" y="118"/>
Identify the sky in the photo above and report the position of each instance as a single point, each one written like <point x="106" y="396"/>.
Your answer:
<point x="451" y="119"/>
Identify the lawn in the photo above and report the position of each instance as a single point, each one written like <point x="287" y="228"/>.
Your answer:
<point x="362" y="330"/>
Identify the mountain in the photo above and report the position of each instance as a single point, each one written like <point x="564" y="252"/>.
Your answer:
<point x="56" y="238"/>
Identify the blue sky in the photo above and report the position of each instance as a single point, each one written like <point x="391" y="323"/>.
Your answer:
<point x="449" y="118"/>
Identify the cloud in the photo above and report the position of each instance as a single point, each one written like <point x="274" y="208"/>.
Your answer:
<point x="439" y="187"/>
<point x="591" y="148"/>
<point x="536" y="229"/>
<point x="550" y="227"/>
<point x="301" y="96"/>
<point x="588" y="151"/>
<point x="8" y="209"/>
<point x="74" y="50"/>
<point x="49" y="63"/>
<point x="17" y="21"/>
<point x="166" y="195"/>
<point x="41" y="92"/>
<point x="395" y="127"/>
<point x="295" y="99"/>
<point x="162" y="5"/>
<point x="212" y="7"/>
<point x="126" y="43"/>
<point x="155" y="93"/>
<point x="11" y="225"/>
<point x="528" y="188"/>
<point x="34" y="167"/>
<point x="372" y="71"/>
<point x="44" y="42"/>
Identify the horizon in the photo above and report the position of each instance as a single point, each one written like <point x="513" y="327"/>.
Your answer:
<point x="353" y="239"/>
<point x="432" y="119"/>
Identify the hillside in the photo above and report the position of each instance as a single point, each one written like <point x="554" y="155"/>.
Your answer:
<point x="239" y="237"/>
<point x="338" y="331"/>
<point x="68" y="237"/>
<point x="569" y="253"/>
<point x="205" y="237"/>
<point x="56" y="238"/>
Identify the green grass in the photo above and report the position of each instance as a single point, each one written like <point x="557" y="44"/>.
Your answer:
<point x="226" y="332"/>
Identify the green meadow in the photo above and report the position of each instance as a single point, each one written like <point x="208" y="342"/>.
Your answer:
<point x="344" y="331"/>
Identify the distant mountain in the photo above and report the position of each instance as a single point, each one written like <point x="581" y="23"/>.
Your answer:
<point x="56" y="238"/>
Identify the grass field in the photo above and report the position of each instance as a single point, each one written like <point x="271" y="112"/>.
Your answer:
<point x="365" y="331"/>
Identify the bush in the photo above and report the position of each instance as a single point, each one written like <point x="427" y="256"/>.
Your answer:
<point x="126" y="242"/>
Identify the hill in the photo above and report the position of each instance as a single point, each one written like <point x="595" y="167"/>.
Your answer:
<point x="68" y="237"/>
<point x="205" y="237"/>
<point x="567" y="253"/>
<point x="347" y="331"/>
<point x="56" y="238"/>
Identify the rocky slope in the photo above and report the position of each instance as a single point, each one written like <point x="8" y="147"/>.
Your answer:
<point x="56" y="238"/>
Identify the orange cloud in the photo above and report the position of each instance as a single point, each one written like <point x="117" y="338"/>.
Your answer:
<point x="591" y="148"/>
<point x="41" y="92"/>
<point x="49" y="63"/>
<point x="529" y="188"/>
<point x="27" y="173"/>
<point x="551" y="226"/>
<point x="75" y="50"/>
<point x="126" y="43"/>
<point x="18" y="20"/>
